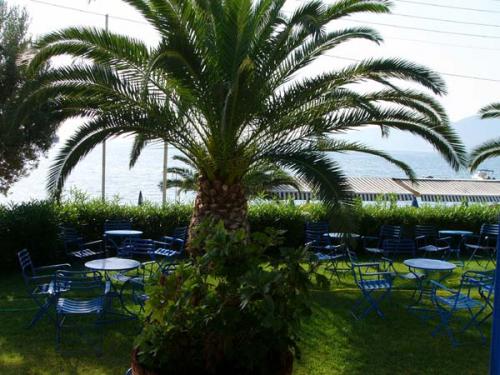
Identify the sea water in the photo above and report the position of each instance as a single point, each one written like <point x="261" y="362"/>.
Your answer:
<point x="125" y="184"/>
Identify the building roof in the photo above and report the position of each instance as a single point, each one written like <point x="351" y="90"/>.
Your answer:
<point x="429" y="190"/>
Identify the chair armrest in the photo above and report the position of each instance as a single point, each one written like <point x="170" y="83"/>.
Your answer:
<point x="420" y="237"/>
<point x="91" y="243"/>
<point x="53" y="267"/>
<point x="436" y="285"/>
<point x="367" y="265"/>
<point x="107" y="287"/>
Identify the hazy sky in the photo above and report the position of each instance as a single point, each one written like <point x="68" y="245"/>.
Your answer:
<point x="479" y="56"/>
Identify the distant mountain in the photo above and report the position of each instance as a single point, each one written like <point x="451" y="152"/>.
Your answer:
<point x="472" y="131"/>
<point x="475" y="131"/>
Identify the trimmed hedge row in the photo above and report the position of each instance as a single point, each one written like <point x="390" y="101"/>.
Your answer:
<point x="34" y="225"/>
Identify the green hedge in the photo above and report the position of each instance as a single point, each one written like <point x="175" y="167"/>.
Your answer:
<point x="34" y="224"/>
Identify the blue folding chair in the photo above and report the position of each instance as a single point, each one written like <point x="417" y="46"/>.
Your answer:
<point x="89" y="296"/>
<point x="39" y="282"/>
<point x="318" y="241"/>
<point x="142" y="250"/>
<point x="370" y="277"/>
<point x="427" y="240"/>
<point x="76" y="247"/>
<point x="484" y="243"/>
<point x="374" y="245"/>
<point x="449" y="302"/>
<point x="172" y="246"/>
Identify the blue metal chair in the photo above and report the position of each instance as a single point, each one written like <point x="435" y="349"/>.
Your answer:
<point x="88" y="297"/>
<point x="318" y="242"/>
<point x="449" y="302"/>
<point x="76" y="247"/>
<point x="370" y="277"/>
<point x="39" y="282"/>
<point x="485" y="242"/>
<point x="427" y="240"/>
<point x="172" y="246"/>
<point x="117" y="224"/>
<point x="374" y="245"/>
<point x="139" y="249"/>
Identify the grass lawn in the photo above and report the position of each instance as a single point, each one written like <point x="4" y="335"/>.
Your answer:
<point x="333" y="342"/>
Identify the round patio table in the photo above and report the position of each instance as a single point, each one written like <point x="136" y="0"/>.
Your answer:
<point x="433" y="269"/>
<point x="458" y="236"/>
<point x="121" y="234"/>
<point x="115" y="264"/>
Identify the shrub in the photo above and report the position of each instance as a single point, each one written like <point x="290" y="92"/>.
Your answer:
<point x="34" y="224"/>
<point x="231" y="311"/>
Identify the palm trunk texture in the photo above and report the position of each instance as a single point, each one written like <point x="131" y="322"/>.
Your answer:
<point x="219" y="201"/>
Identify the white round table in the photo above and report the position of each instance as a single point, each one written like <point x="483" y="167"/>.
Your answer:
<point x="112" y="264"/>
<point x="118" y="234"/>
<point x="433" y="269"/>
<point x="432" y="265"/>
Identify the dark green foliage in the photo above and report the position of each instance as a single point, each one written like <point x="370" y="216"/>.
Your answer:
<point x="26" y="132"/>
<point x="228" y="85"/>
<point x="231" y="311"/>
<point x="491" y="148"/>
<point x="34" y="224"/>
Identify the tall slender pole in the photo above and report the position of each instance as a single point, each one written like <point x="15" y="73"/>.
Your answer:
<point x="495" y="332"/>
<point x="103" y="176"/>
<point x="164" y="185"/>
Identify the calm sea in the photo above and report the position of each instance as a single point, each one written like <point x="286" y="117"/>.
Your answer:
<point x="126" y="183"/>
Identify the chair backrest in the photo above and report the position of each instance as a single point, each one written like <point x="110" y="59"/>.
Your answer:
<point x="82" y="282"/>
<point x="397" y="246"/>
<point x="481" y="280"/>
<point x="137" y="247"/>
<point x="489" y="230"/>
<point x="181" y="233"/>
<point x="426" y="230"/>
<point x="27" y="268"/>
<point x="315" y="231"/>
<point x="390" y="231"/>
<point x="117" y="224"/>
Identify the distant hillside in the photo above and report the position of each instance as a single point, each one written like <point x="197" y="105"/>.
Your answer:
<point x="472" y="130"/>
<point x="475" y="131"/>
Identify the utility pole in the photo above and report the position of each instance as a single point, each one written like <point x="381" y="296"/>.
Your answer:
<point x="103" y="176"/>
<point x="495" y="330"/>
<point x="164" y="185"/>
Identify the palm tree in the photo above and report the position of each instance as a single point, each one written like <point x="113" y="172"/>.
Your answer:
<point x="259" y="179"/>
<point x="229" y="87"/>
<point x="488" y="149"/>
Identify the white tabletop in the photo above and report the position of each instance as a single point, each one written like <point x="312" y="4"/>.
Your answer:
<point x="430" y="264"/>
<point x="112" y="264"/>
<point x="123" y="232"/>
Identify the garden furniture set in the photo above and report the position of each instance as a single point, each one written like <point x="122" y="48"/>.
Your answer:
<point x="375" y="277"/>
<point x="89" y="288"/>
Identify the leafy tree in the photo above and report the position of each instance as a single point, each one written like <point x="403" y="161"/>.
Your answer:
<point x="229" y="86"/>
<point x="489" y="149"/>
<point x="24" y="135"/>
<point x="258" y="180"/>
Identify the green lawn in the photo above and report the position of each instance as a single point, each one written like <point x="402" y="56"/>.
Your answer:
<point x="333" y="342"/>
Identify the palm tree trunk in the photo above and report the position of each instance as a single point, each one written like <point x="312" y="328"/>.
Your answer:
<point x="219" y="201"/>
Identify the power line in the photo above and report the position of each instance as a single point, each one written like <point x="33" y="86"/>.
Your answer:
<point x="339" y="57"/>
<point x="445" y="20"/>
<point x="88" y="12"/>
<point x="424" y="29"/>
<point x="442" y="73"/>
<point x="449" y="6"/>
<point x="442" y="44"/>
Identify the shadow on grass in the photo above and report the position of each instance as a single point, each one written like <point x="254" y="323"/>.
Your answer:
<point x="335" y="343"/>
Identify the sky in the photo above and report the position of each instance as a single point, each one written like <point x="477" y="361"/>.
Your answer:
<point x="446" y="50"/>
<point x="475" y="56"/>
